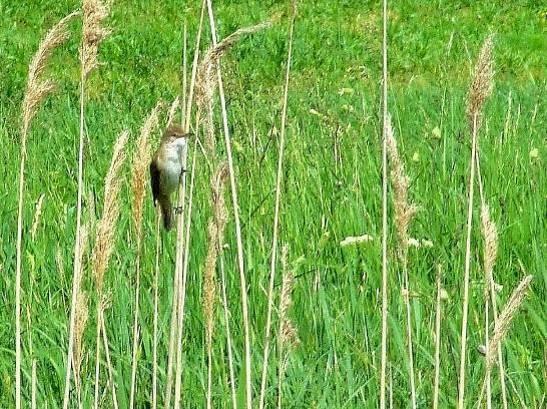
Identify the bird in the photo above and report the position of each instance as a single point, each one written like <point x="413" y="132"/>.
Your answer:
<point x="166" y="170"/>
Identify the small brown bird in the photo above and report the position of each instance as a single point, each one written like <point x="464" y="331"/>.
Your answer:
<point x="166" y="170"/>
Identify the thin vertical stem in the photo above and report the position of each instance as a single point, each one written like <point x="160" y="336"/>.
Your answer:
<point x="135" y="325"/>
<point x="178" y="274"/>
<point x="155" y="329"/>
<point x="267" y="331"/>
<point x="235" y="205"/>
<point x="77" y="249"/>
<point x="491" y="287"/>
<point x="109" y="363"/>
<point x="18" y="274"/>
<point x="228" y="333"/>
<point x="437" y="340"/>
<point x="461" y="385"/>
<point x="97" y="353"/>
<point x="384" y="216"/>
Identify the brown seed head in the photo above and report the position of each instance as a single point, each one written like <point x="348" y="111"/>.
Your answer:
<point x="95" y="11"/>
<point x="482" y="84"/>
<point x="38" y="87"/>
<point x="104" y="241"/>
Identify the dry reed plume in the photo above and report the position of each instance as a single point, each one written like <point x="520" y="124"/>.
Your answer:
<point x="288" y="334"/>
<point x="206" y="83"/>
<point x="141" y="162"/>
<point x="482" y="84"/>
<point x="216" y="228"/>
<point x="36" y="91"/>
<point x="506" y="317"/>
<point x="94" y="13"/>
<point x="490" y="235"/>
<point x="404" y="213"/>
<point x="480" y="88"/>
<point x="38" y="87"/>
<point x="104" y="241"/>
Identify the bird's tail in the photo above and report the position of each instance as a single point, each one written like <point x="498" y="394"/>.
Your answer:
<point x="166" y="211"/>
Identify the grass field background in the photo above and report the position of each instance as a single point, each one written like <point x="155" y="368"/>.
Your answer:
<point x="332" y="189"/>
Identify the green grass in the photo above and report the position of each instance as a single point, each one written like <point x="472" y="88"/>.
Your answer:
<point x="336" y="72"/>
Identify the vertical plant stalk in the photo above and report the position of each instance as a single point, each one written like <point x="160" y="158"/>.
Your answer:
<point x="138" y="185"/>
<point x="37" y="89"/>
<point x="181" y="267"/>
<point x="235" y="204"/>
<point x="94" y="12"/>
<point x="404" y="213"/>
<point x="287" y="333"/>
<point x="216" y="229"/>
<point x="481" y="87"/>
<point x="226" y="310"/>
<point x="384" y="213"/>
<point x="489" y="278"/>
<point x="438" y="312"/>
<point x="104" y="242"/>
<point x="461" y="384"/>
<point x="108" y="362"/>
<point x="279" y="177"/>
<point x="154" y="397"/>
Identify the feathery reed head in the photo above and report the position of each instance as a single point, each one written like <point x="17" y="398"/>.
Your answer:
<point x="289" y="334"/>
<point x="482" y="84"/>
<point x="490" y="234"/>
<point x="216" y="233"/>
<point x="141" y="161"/>
<point x="37" y="216"/>
<point x="38" y="87"/>
<point x="82" y="313"/>
<point x="104" y="241"/>
<point x="404" y="211"/>
<point x="506" y="317"/>
<point x="206" y="82"/>
<point x="95" y="11"/>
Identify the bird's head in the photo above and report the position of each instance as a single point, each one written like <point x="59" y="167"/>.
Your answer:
<point x="176" y="136"/>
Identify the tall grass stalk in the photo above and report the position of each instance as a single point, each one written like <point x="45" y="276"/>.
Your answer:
<point x="489" y="278"/>
<point x="104" y="242"/>
<point x="154" y="393"/>
<point x="184" y="237"/>
<point x="139" y="170"/>
<point x="216" y="228"/>
<point x="438" y="312"/>
<point x="235" y="204"/>
<point x="480" y="89"/>
<point x="287" y="333"/>
<point x="404" y="213"/>
<point x="94" y="12"/>
<point x="384" y="213"/>
<point x="226" y="310"/>
<point x="37" y="89"/>
<point x="278" y="183"/>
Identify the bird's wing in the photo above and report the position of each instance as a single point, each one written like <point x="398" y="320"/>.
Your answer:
<point x="155" y="181"/>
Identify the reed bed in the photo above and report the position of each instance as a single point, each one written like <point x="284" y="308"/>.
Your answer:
<point x="201" y="316"/>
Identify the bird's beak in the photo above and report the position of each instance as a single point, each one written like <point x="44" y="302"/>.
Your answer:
<point x="184" y="135"/>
